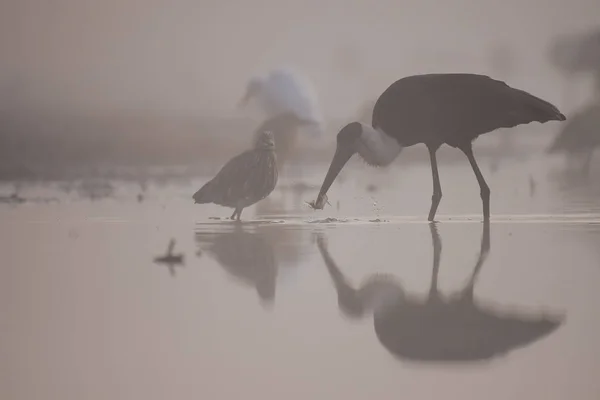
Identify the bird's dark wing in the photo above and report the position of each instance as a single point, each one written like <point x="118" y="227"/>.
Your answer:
<point x="455" y="108"/>
<point x="245" y="176"/>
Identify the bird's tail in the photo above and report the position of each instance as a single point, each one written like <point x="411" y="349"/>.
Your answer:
<point x="541" y="110"/>
<point x="203" y="195"/>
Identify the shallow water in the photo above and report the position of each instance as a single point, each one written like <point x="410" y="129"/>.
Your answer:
<point x="295" y="303"/>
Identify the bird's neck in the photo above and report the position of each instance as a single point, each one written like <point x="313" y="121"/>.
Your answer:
<point x="381" y="292"/>
<point x="376" y="147"/>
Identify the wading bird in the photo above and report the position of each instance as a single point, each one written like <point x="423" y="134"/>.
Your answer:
<point x="436" y="109"/>
<point x="285" y="91"/>
<point x="289" y="100"/>
<point x="246" y="179"/>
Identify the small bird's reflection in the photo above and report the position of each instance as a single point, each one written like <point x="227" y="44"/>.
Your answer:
<point x="253" y="254"/>
<point x="436" y="329"/>
<point x="246" y="255"/>
<point x="169" y="259"/>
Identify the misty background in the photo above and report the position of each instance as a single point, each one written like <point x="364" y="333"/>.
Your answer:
<point x="158" y="81"/>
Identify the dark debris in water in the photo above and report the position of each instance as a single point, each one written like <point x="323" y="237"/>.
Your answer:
<point x="328" y="220"/>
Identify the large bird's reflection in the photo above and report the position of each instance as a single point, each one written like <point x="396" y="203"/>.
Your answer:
<point x="253" y="254"/>
<point x="436" y="329"/>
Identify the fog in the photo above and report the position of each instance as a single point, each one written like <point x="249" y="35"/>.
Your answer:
<point x="194" y="57"/>
<point x="123" y="151"/>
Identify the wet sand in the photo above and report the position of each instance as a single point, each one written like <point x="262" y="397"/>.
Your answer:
<point x="298" y="304"/>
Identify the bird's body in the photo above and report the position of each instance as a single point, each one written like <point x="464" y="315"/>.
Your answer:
<point x="284" y="91"/>
<point x="290" y="104"/>
<point x="454" y="109"/>
<point x="436" y="109"/>
<point x="245" y="180"/>
<point x="284" y="127"/>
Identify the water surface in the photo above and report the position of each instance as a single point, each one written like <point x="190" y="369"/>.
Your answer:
<point x="299" y="304"/>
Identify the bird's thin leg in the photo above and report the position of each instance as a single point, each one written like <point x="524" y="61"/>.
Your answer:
<point x="234" y="213"/>
<point x="437" y="253"/>
<point x="483" y="253"/>
<point x="484" y="188"/>
<point x="239" y="214"/>
<point x="437" y="188"/>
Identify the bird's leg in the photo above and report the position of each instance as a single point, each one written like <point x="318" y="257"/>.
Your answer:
<point x="234" y="213"/>
<point x="437" y="253"/>
<point x="484" y="188"/>
<point x="437" y="188"/>
<point x="483" y="252"/>
<point x="239" y="213"/>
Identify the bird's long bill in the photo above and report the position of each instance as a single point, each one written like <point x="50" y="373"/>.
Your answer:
<point x="340" y="158"/>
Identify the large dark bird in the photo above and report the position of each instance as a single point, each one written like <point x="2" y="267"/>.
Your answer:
<point x="245" y="179"/>
<point x="436" y="109"/>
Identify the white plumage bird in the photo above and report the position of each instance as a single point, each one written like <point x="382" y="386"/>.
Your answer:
<point x="289" y="102"/>
<point x="284" y="91"/>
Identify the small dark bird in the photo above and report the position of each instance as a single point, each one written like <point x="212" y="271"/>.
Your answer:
<point x="436" y="109"/>
<point x="245" y="179"/>
<point x="170" y="259"/>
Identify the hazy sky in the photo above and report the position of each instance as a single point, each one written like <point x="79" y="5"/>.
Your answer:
<point x="194" y="57"/>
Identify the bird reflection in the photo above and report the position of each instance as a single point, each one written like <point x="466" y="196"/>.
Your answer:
<point x="437" y="329"/>
<point x="253" y="255"/>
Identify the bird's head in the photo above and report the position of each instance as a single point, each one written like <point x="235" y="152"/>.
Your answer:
<point x="254" y="86"/>
<point x="348" y="140"/>
<point x="265" y="141"/>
